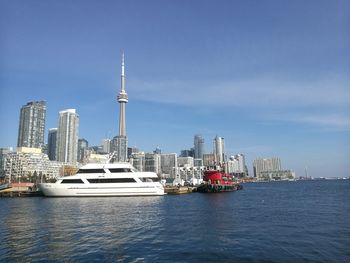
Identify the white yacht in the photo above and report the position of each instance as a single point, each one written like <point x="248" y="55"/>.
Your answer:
<point x="110" y="179"/>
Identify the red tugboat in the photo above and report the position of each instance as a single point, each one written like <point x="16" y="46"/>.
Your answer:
<point x="216" y="181"/>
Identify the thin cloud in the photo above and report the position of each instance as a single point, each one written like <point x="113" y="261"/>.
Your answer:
<point x="335" y="121"/>
<point x="321" y="102"/>
<point x="262" y="92"/>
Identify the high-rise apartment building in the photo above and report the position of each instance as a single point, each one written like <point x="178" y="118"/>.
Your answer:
<point x="271" y="169"/>
<point x="219" y="150"/>
<point x="51" y="144"/>
<point x="266" y="165"/>
<point x="31" y="129"/>
<point x="198" y="147"/>
<point x="67" y="136"/>
<point x="236" y="165"/>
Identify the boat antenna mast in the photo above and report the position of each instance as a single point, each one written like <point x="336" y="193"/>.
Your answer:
<point x="112" y="156"/>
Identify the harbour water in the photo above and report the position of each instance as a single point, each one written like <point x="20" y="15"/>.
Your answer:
<point x="303" y="221"/>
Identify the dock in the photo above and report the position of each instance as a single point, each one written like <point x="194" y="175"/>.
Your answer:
<point x="177" y="190"/>
<point x="20" y="190"/>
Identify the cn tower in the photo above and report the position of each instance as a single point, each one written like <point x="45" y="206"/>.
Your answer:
<point x="122" y="143"/>
<point x="122" y="99"/>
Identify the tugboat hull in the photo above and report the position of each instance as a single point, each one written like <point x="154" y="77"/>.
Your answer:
<point x="217" y="188"/>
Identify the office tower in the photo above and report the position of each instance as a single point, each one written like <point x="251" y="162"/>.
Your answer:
<point x="198" y="146"/>
<point x="122" y="141"/>
<point x="32" y="125"/>
<point x="83" y="147"/>
<point x="67" y="136"/>
<point x="51" y="144"/>
<point x="219" y="150"/>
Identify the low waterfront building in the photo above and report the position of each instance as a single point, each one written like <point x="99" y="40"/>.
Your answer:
<point x="278" y="175"/>
<point x="3" y="154"/>
<point x="28" y="164"/>
<point x="96" y="158"/>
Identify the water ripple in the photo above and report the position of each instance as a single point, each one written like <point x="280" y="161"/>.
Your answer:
<point x="274" y="222"/>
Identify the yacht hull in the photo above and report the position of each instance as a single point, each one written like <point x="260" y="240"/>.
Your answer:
<point x="58" y="190"/>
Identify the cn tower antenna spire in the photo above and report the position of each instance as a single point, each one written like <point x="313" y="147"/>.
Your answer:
<point x="123" y="74"/>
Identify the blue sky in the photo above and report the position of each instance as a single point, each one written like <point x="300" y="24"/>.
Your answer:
<point x="271" y="77"/>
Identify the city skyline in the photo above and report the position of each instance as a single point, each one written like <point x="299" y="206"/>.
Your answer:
<point x="270" y="77"/>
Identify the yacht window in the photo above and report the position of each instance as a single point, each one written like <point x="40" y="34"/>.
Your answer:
<point x="90" y="171"/>
<point x="120" y="170"/>
<point x="148" y="180"/>
<point x="72" y="181"/>
<point x="111" y="180"/>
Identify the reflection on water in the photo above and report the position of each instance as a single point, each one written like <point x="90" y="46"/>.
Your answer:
<point x="272" y="222"/>
<point x="56" y="228"/>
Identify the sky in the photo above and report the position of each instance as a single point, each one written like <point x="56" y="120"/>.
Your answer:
<point x="271" y="77"/>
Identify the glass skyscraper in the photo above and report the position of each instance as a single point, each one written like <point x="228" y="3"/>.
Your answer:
<point x="198" y="147"/>
<point x="51" y="144"/>
<point x="83" y="146"/>
<point x="32" y="125"/>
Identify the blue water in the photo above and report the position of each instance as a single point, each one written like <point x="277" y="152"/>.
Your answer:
<point x="304" y="221"/>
